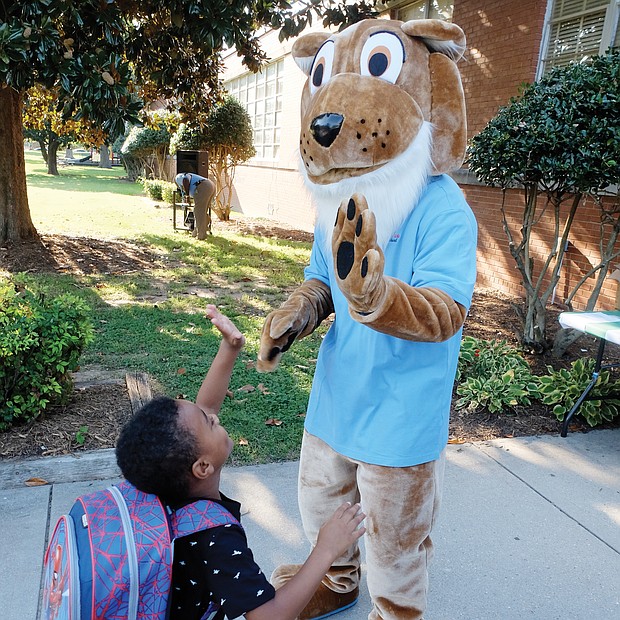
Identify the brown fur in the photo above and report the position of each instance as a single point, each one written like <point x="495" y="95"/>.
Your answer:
<point x="377" y="126"/>
<point x="428" y="88"/>
<point x="383" y="303"/>
<point x="298" y="316"/>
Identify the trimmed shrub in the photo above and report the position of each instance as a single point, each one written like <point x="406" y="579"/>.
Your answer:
<point x="41" y="340"/>
<point x="156" y="189"/>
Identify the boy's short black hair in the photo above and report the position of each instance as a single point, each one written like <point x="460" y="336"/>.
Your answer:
<point x="155" y="452"/>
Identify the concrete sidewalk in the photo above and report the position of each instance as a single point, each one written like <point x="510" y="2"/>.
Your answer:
<point x="530" y="527"/>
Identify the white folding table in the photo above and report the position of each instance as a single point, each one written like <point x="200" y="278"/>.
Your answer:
<point x="606" y="327"/>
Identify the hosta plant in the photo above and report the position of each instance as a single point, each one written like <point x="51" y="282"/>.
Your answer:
<point x="493" y="375"/>
<point x="561" y="388"/>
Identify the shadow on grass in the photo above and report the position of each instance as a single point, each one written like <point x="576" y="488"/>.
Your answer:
<point x="76" y="255"/>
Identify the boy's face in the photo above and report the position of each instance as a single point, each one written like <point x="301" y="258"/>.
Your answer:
<point x="212" y="440"/>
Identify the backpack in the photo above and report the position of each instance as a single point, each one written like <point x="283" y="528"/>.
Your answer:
<point x="110" y="558"/>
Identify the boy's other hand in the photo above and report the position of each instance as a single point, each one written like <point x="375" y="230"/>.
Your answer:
<point x="341" y="530"/>
<point x="226" y="327"/>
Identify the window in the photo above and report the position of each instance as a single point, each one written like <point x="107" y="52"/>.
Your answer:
<point x="579" y="29"/>
<point x="261" y="95"/>
<point x="425" y="9"/>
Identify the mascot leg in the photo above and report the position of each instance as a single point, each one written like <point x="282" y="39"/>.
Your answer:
<point x="202" y="197"/>
<point x="326" y="480"/>
<point x="401" y="505"/>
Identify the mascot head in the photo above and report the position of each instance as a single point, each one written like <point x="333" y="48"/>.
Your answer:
<point x="382" y="109"/>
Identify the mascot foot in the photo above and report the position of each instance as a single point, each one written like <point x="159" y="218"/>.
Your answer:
<point x="324" y="602"/>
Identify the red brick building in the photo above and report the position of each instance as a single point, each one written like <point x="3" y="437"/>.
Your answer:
<point x="509" y="42"/>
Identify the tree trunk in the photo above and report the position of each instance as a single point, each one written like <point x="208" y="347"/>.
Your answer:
<point x="52" y="157"/>
<point x="43" y="150"/>
<point x="104" y="157"/>
<point x="15" y="221"/>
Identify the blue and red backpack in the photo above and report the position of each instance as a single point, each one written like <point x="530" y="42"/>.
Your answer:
<point x="110" y="558"/>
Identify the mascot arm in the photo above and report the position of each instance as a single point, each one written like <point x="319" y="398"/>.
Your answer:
<point x="382" y="303"/>
<point x="298" y="317"/>
<point x="422" y="314"/>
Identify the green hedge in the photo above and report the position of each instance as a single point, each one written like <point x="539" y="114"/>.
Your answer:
<point x="157" y="189"/>
<point x="41" y="340"/>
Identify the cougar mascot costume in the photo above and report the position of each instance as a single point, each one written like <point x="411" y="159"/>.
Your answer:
<point x="382" y="119"/>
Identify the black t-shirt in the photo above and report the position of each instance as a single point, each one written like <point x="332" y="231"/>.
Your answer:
<point x="214" y="575"/>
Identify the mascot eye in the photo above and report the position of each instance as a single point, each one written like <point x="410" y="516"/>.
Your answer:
<point x="322" y="66"/>
<point x="382" y="56"/>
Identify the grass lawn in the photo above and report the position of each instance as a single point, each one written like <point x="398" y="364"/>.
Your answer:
<point x="89" y="201"/>
<point x="152" y="320"/>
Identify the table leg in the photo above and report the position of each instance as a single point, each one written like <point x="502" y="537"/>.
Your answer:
<point x="595" y="373"/>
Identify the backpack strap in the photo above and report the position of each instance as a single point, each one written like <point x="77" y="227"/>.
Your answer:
<point x="201" y="515"/>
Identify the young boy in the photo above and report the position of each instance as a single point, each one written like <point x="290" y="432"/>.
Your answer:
<point x="176" y="449"/>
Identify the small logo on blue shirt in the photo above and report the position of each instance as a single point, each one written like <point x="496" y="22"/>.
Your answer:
<point x="395" y="238"/>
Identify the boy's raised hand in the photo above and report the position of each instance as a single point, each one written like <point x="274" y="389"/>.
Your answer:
<point x="341" y="530"/>
<point x="230" y="332"/>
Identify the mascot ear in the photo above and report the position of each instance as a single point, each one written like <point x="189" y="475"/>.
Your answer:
<point x="305" y="49"/>
<point x="438" y="36"/>
<point x="446" y="43"/>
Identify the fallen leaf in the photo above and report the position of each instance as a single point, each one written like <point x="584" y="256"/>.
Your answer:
<point x="273" y="422"/>
<point x="246" y="388"/>
<point x="244" y="442"/>
<point x="229" y="394"/>
<point x="36" y="482"/>
<point x="181" y="371"/>
<point x="263" y="389"/>
<point x="456" y="441"/>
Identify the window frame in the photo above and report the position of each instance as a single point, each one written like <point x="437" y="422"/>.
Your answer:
<point x="397" y="7"/>
<point x="609" y="32"/>
<point x="265" y="111"/>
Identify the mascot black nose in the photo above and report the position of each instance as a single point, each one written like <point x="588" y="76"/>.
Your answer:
<point x="326" y="127"/>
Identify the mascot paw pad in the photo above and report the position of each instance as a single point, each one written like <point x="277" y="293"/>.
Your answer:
<point x="358" y="258"/>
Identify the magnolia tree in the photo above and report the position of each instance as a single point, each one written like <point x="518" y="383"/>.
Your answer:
<point x="558" y="142"/>
<point x="105" y="58"/>
<point x="45" y="124"/>
<point x="227" y="136"/>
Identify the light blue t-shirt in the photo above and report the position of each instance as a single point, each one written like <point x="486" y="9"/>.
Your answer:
<point x="380" y="399"/>
<point x="193" y="180"/>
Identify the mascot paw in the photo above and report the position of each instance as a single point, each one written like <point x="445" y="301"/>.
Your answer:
<point x="358" y="260"/>
<point x="279" y="332"/>
<point x="324" y="602"/>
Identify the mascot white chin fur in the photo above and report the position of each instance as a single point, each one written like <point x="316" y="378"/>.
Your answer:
<point x="390" y="190"/>
<point x="382" y="120"/>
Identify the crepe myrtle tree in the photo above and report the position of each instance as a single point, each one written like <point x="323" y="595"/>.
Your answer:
<point x="558" y="141"/>
<point x="227" y="136"/>
<point x="106" y="58"/>
<point x="145" y="149"/>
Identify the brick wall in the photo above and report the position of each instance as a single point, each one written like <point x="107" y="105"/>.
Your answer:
<point x="503" y="46"/>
